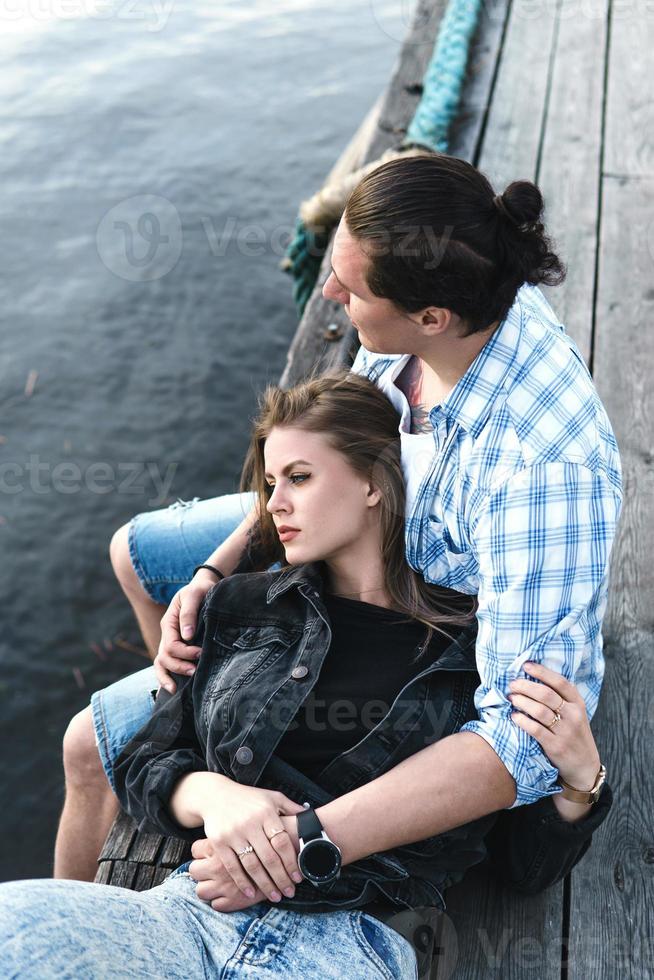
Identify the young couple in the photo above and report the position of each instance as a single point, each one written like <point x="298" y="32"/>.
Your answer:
<point x="443" y="517"/>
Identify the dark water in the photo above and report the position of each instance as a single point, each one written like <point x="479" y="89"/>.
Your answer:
<point x="152" y="158"/>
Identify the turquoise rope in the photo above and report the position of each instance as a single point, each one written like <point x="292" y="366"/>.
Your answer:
<point x="429" y="127"/>
<point x="445" y="76"/>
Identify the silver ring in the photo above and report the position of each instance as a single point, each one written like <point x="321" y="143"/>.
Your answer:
<point x="246" y="850"/>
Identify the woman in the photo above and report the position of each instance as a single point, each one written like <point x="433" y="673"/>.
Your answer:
<point x="234" y="754"/>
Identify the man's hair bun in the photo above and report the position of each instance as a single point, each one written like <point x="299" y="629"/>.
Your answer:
<point x="523" y="202"/>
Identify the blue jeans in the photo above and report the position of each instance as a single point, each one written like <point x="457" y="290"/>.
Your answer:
<point x="55" y="930"/>
<point x="165" y="546"/>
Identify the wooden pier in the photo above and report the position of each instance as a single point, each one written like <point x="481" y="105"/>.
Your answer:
<point x="559" y="92"/>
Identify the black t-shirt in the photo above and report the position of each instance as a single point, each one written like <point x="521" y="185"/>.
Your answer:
<point x="367" y="665"/>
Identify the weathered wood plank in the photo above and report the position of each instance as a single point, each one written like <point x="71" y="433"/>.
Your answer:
<point x="145" y="848"/>
<point x="405" y="86"/>
<point x="467" y="131"/>
<point x="124" y="874"/>
<point x="630" y="93"/>
<point x="160" y="875"/>
<point x="615" y="882"/>
<point x="104" y="873"/>
<point x="120" y="839"/>
<point x="569" y="172"/>
<point x="174" y="852"/>
<point x="515" y="120"/>
<point x="499" y="933"/>
<point x="145" y="877"/>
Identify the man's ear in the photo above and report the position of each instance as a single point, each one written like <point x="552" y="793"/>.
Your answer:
<point x="435" y="320"/>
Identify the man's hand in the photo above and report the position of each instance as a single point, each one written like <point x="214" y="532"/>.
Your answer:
<point x="178" y="623"/>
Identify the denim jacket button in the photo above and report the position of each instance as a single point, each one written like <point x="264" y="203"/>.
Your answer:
<point x="244" y="755"/>
<point x="299" y="672"/>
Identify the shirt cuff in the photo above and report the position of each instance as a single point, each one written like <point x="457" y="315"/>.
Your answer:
<point x="534" y="775"/>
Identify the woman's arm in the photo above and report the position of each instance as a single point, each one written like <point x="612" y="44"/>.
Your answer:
<point x="162" y="780"/>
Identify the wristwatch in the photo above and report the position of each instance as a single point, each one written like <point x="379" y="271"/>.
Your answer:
<point x="319" y="858"/>
<point x="569" y="792"/>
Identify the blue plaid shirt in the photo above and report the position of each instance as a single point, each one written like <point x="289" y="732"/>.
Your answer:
<point x="515" y="496"/>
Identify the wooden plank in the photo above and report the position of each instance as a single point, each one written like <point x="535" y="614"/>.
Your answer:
<point x="146" y="847"/>
<point x="120" y="839"/>
<point x="630" y="93"/>
<point x="124" y="874"/>
<point x="310" y="348"/>
<point x="483" y="62"/>
<point x="515" y="119"/>
<point x="145" y="877"/>
<point x="569" y="172"/>
<point x="174" y="852"/>
<point x="497" y="933"/>
<point x="404" y="89"/>
<point x="105" y="870"/>
<point x="160" y="875"/>
<point x="615" y="882"/>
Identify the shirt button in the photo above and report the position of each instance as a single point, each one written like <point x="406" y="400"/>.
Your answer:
<point x="244" y="755"/>
<point x="299" y="672"/>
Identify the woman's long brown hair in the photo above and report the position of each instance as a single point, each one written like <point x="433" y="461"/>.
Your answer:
<point x="360" y="422"/>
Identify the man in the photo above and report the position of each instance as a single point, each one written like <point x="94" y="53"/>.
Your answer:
<point x="513" y="493"/>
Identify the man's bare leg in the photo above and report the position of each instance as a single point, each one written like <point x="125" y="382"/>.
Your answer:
<point x="91" y="805"/>
<point x="148" y="613"/>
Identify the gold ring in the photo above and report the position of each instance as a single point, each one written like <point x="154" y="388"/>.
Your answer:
<point x="557" y="717"/>
<point x="246" y="850"/>
<point x="558" y="708"/>
<point x="275" y="832"/>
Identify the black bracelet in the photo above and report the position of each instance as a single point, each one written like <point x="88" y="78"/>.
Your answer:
<point x="209" y="568"/>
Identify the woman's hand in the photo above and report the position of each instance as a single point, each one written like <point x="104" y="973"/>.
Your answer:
<point x="569" y="744"/>
<point x="180" y="620"/>
<point x="241" y="816"/>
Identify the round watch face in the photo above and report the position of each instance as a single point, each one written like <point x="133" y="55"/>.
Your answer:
<point x="320" y="860"/>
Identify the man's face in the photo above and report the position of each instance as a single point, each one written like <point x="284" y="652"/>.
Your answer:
<point x="382" y="328"/>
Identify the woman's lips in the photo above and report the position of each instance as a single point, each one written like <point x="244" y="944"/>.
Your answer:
<point x="287" y="535"/>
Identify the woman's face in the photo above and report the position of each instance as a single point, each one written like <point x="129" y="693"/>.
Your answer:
<point x="331" y="509"/>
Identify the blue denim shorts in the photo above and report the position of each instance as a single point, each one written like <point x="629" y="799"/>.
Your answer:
<point x="165" y="546"/>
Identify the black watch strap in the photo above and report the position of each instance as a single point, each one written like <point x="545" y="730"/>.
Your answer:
<point x="308" y="825"/>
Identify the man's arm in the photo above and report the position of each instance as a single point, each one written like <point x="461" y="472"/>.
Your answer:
<point x="180" y="619"/>
<point x="456" y="780"/>
<point x="543" y="541"/>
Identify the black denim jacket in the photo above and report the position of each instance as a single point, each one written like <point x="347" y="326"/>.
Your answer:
<point x="256" y="630"/>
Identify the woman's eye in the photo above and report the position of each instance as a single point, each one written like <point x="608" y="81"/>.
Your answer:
<point x="299" y="476"/>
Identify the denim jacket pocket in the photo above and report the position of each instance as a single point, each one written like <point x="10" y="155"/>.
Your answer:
<point x="241" y="656"/>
